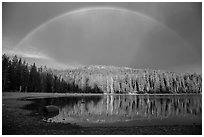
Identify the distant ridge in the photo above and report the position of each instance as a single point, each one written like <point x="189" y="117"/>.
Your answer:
<point x="112" y="79"/>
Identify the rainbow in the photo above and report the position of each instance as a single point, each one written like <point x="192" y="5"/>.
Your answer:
<point x="115" y="9"/>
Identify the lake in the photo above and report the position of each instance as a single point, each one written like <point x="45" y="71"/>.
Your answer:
<point x="121" y="110"/>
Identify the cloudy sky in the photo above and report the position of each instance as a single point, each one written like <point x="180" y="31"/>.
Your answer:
<point x="165" y="36"/>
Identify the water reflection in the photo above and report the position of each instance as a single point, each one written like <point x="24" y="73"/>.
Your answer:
<point x="123" y="108"/>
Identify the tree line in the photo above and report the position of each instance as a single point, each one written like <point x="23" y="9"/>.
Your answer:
<point x="110" y="79"/>
<point x="17" y="75"/>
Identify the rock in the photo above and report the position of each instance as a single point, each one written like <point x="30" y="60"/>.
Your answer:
<point x="52" y="108"/>
<point x="50" y="111"/>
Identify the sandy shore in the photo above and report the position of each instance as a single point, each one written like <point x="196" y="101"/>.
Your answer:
<point x="15" y="95"/>
<point x="16" y="120"/>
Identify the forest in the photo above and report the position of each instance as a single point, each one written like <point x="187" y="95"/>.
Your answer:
<point x="19" y="76"/>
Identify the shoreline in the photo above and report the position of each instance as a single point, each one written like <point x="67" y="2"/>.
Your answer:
<point x="17" y="95"/>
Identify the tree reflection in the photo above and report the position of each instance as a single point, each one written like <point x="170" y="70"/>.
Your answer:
<point x="113" y="108"/>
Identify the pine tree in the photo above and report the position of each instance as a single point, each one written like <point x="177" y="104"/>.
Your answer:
<point x="5" y="73"/>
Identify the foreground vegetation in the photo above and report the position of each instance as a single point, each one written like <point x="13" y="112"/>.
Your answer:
<point x="17" y="75"/>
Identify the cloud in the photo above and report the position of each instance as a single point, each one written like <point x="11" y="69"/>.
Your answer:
<point x="30" y="52"/>
<point x="32" y="55"/>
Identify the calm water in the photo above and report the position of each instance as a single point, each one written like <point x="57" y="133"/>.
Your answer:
<point x="122" y="110"/>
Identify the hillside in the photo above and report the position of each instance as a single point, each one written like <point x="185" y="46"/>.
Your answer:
<point x="17" y="75"/>
<point x="110" y="79"/>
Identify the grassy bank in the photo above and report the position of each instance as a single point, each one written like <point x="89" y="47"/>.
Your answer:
<point x="16" y="120"/>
